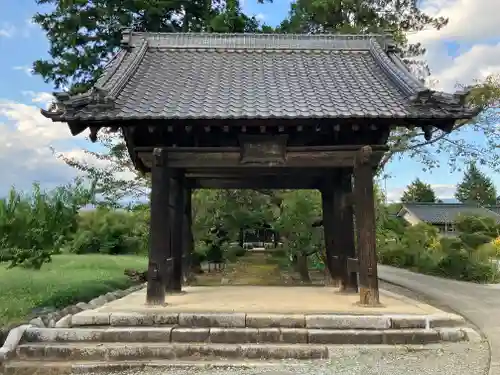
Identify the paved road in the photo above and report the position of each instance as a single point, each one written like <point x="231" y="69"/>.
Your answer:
<point x="480" y="304"/>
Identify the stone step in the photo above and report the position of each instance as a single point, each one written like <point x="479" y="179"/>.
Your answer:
<point x="219" y="335"/>
<point x="170" y="351"/>
<point x="262" y="320"/>
<point x="93" y="367"/>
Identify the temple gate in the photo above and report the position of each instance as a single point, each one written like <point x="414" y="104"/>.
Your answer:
<point x="260" y="111"/>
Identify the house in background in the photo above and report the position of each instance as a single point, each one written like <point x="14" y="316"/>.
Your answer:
<point x="443" y="215"/>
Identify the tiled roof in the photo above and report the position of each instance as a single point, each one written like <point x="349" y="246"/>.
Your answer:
<point x="240" y="76"/>
<point x="440" y="213"/>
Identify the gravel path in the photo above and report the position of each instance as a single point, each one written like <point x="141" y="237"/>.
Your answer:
<point x="447" y="359"/>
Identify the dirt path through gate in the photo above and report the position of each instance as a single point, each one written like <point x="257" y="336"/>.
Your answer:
<point x="256" y="268"/>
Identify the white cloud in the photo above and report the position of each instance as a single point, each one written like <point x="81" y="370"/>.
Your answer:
<point x="24" y="68"/>
<point x="469" y="20"/>
<point x="442" y="191"/>
<point x="27" y="138"/>
<point x="7" y="30"/>
<point x="470" y="24"/>
<point x="260" y="17"/>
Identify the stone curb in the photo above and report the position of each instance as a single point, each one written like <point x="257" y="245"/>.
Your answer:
<point x="13" y="338"/>
<point x="244" y="335"/>
<point x="117" y="351"/>
<point x="62" y="317"/>
<point x="251" y="320"/>
<point x="16" y="334"/>
<point x="68" y="368"/>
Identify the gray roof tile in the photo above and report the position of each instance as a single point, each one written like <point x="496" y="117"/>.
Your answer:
<point x="440" y="213"/>
<point x="214" y="76"/>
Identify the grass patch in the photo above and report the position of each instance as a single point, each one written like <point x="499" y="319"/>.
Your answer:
<point x="67" y="280"/>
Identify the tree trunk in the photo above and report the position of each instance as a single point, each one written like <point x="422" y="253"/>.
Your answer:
<point x="241" y="238"/>
<point x="303" y="269"/>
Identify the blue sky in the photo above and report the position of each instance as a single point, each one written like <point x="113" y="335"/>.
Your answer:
<point x="456" y="53"/>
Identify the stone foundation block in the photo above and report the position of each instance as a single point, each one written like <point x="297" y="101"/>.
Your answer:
<point x="166" y="318"/>
<point x="181" y="334"/>
<point x="263" y="351"/>
<point x="234" y="335"/>
<point x="408" y="321"/>
<point x="347" y="322"/>
<point x="411" y="337"/>
<point x="131" y="319"/>
<point x="449" y="320"/>
<point x="137" y="334"/>
<point x="275" y="320"/>
<point x="62" y="334"/>
<point x="90" y="318"/>
<point x="234" y="320"/>
<point x="294" y="335"/>
<point x="451" y="334"/>
<point x="353" y="337"/>
<point x="269" y="335"/>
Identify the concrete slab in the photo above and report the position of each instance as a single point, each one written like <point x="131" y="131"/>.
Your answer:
<point x="268" y="299"/>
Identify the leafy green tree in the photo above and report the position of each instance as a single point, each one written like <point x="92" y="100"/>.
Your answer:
<point x="35" y="226"/>
<point x="84" y="35"/>
<point x="299" y="209"/>
<point x="419" y="191"/>
<point x="476" y="187"/>
<point x="402" y="17"/>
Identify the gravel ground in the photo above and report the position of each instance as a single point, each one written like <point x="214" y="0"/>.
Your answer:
<point x="447" y="359"/>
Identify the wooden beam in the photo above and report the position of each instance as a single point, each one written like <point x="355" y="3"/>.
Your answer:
<point x="231" y="157"/>
<point x="159" y="250"/>
<point x="267" y="182"/>
<point x="364" y="209"/>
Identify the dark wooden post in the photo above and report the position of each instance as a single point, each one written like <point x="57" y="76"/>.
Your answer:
<point x="188" y="243"/>
<point x="329" y="229"/>
<point x="345" y="231"/>
<point x="178" y="232"/>
<point x="364" y="208"/>
<point x="159" y="249"/>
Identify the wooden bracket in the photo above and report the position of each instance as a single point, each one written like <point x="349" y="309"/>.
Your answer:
<point x="364" y="155"/>
<point x="93" y="133"/>
<point x="159" y="157"/>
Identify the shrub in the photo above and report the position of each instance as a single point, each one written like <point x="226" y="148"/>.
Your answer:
<point x="461" y="264"/>
<point x="466" y="257"/>
<point x="34" y="226"/>
<point x="110" y="232"/>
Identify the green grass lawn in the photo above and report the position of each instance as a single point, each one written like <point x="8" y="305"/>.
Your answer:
<point x="67" y="280"/>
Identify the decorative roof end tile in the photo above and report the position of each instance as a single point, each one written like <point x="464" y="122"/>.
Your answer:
<point x="126" y="41"/>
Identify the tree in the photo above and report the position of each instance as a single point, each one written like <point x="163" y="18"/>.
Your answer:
<point x="401" y="17"/>
<point x="476" y="187"/>
<point x="84" y="35"/>
<point x="419" y="191"/>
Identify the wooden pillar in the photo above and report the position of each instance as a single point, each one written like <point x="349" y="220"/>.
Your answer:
<point x="177" y="231"/>
<point x="364" y="208"/>
<point x="188" y="243"/>
<point x="159" y="248"/>
<point x="345" y="231"/>
<point x="327" y="198"/>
